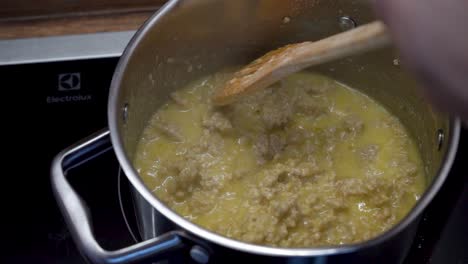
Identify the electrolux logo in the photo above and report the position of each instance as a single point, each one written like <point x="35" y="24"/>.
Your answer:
<point x="69" y="81"/>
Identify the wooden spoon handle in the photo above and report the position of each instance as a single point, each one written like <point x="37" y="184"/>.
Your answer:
<point x="367" y="37"/>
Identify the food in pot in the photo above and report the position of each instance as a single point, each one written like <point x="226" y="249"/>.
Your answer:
<point x="307" y="162"/>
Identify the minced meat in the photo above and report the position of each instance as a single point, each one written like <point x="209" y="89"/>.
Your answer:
<point x="307" y="162"/>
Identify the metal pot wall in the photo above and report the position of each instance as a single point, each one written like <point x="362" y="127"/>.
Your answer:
<point x="187" y="39"/>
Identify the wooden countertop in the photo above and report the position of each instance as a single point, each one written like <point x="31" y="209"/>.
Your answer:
<point x="74" y="24"/>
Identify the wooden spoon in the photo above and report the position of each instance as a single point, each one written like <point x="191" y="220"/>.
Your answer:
<point x="292" y="58"/>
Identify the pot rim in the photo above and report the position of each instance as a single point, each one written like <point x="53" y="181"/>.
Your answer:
<point x="114" y="112"/>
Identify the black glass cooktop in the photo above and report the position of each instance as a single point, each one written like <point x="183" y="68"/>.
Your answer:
<point x="48" y="106"/>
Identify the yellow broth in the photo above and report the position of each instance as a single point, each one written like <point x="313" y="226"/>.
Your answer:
<point x="307" y="162"/>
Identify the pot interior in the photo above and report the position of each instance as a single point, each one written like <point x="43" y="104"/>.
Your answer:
<point x="197" y="38"/>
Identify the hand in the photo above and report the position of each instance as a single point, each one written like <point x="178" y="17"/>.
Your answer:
<point x="432" y="36"/>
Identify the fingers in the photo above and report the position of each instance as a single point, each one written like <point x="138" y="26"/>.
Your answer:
<point x="432" y="36"/>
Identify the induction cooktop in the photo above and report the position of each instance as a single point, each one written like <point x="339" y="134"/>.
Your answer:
<point x="55" y="93"/>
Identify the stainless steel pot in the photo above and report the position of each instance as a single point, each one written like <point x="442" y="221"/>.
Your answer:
<point x="187" y="39"/>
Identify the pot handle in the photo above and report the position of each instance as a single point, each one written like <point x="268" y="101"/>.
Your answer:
<point x="77" y="216"/>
